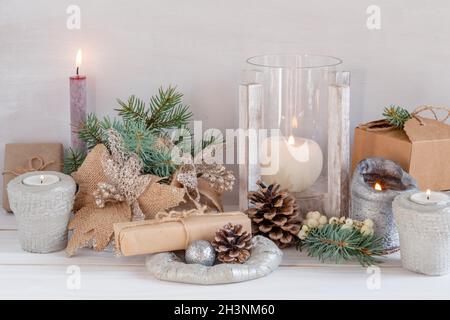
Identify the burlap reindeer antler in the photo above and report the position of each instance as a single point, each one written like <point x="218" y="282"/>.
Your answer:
<point x="123" y="170"/>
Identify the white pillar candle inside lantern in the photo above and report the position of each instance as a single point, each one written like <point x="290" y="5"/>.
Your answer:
<point x="306" y="101"/>
<point x="295" y="163"/>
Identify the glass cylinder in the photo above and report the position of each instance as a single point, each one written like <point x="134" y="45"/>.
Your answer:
<point x="295" y="107"/>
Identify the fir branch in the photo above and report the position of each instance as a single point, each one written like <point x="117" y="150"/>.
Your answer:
<point x="144" y="130"/>
<point x="73" y="160"/>
<point x="165" y="110"/>
<point x="159" y="162"/>
<point x="204" y="143"/>
<point x="133" y="110"/>
<point x="91" y="131"/>
<point x="396" y="116"/>
<point x="332" y="243"/>
<point x="107" y="124"/>
<point x="138" y="138"/>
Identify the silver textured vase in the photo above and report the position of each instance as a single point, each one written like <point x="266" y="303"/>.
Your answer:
<point x="42" y="211"/>
<point x="369" y="203"/>
<point x="424" y="235"/>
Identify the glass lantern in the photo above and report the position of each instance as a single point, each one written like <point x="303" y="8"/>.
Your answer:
<point x="295" y="109"/>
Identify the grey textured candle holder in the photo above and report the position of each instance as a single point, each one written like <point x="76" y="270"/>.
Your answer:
<point x="368" y="203"/>
<point x="424" y="235"/>
<point x="42" y="212"/>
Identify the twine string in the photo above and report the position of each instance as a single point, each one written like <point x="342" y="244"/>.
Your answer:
<point x="433" y="110"/>
<point x="384" y="125"/>
<point x="40" y="165"/>
<point x="180" y="216"/>
<point x="173" y="216"/>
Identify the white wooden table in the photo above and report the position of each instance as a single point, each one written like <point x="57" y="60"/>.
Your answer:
<point x="103" y="276"/>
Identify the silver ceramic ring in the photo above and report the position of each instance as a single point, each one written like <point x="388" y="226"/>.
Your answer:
<point x="264" y="259"/>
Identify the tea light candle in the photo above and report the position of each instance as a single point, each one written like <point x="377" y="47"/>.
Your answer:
<point x="40" y="180"/>
<point x="423" y="220"/>
<point x="42" y="202"/>
<point x="430" y="198"/>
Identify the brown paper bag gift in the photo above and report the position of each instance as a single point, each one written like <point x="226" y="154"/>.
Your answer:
<point x="25" y="157"/>
<point x="422" y="148"/>
<point x="172" y="233"/>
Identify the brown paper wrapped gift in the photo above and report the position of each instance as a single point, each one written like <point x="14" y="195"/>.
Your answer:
<point x="25" y="157"/>
<point x="422" y="149"/>
<point x="169" y="234"/>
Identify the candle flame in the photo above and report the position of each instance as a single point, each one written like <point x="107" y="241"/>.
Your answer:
<point x="42" y="179"/>
<point x="378" y="187"/>
<point x="291" y="140"/>
<point x="79" y="58"/>
<point x="428" y="192"/>
<point x="294" y="122"/>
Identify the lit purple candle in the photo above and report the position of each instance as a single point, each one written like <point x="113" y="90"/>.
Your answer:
<point x="77" y="105"/>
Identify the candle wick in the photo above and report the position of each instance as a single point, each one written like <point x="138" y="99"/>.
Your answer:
<point x="428" y="197"/>
<point x="78" y="68"/>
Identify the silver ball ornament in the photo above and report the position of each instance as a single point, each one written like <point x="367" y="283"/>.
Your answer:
<point x="201" y="252"/>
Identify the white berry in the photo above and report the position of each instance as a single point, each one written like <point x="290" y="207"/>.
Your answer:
<point x="302" y="235"/>
<point x="365" y="230"/>
<point x="346" y="226"/>
<point x="368" y="222"/>
<point x="313" y="215"/>
<point x="333" y="220"/>
<point x="312" y="223"/>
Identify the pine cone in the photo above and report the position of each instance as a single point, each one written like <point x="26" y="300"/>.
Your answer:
<point x="275" y="214"/>
<point x="232" y="244"/>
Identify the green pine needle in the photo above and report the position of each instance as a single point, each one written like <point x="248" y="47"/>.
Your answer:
<point x="92" y="132"/>
<point x="73" y="160"/>
<point x="396" y="116"/>
<point x="144" y="128"/>
<point x="133" y="109"/>
<point x="165" y="110"/>
<point x="332" y="243"/>
<point x="207" y="141"/>
<point x="137" y="137"/>
<point x="159" y="162"/>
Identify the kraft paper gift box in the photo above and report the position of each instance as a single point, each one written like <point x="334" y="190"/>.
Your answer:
<point x="421" y="150"/>
<point x="153" y="236"/>
<point x="25" y="157"/>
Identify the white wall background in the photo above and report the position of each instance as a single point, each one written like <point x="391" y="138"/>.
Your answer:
<point x="134" y="46"/>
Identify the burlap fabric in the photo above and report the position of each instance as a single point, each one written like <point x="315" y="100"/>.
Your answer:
<point x="156" y="197"/>
<point x="93" y="225"/>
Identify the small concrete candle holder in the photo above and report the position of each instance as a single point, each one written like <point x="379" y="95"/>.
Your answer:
<point x="375" y="184"/>
<point x="424" y="227"/>
<point x="42" y="202"/>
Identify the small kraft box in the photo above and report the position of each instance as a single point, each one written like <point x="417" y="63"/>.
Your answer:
<point x="27" y="157"/>
<point x="421" y="148"/>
